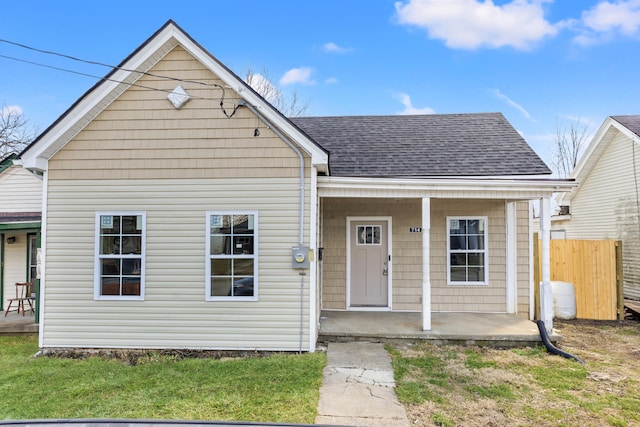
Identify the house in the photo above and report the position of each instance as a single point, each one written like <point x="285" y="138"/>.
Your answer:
<point x="183" y="211"/>
<point x="606" y="203"/>
<point x="20" y="215"/>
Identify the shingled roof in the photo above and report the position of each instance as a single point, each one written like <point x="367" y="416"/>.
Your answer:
<point x="423" y="145"/>
<point x="630" y="122"/>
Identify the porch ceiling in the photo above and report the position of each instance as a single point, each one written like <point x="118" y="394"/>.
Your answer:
<point x="463" y="188"/>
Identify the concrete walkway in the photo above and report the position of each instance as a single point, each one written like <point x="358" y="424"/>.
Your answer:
<point x="358" y="388"/>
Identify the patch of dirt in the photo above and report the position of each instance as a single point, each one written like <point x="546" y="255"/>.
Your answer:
<point x="135" y="356"/>
<point x="610" y="349"/>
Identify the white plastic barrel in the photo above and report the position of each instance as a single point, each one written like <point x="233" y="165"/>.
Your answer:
<point x="564" y="300"/>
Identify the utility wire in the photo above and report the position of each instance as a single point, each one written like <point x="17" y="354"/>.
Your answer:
<point x="113" y="67"/>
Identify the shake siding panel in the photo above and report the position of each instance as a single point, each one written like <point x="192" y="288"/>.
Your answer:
<point x="523" y="266"/>
<point x="141" y="154"/>
<point x="406" y="255"/>
<point x="481" y="298"/>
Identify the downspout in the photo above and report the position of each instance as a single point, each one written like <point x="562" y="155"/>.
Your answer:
<point x="552" y="348"/>
<point x="242" y="102"/>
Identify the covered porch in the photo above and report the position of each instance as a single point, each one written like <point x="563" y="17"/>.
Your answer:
<point x="463" y="328"/>
<point x="15" y="323"/>
<point x="426" y="267"/>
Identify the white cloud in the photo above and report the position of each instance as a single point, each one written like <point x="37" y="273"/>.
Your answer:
<point x="331" y="47"/>
<point x="263" y="86"/>
<point x="300" y="75"/>
<point x="410" y="109"/>
<point x="472" y="24"/>
<point x="607" y="19"/>
<point x="331" y="81"/>
<point x="514" y="104"/>
<point x="12" y="110"/>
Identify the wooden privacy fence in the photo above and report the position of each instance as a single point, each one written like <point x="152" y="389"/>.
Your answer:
<point x="595" y="269"/>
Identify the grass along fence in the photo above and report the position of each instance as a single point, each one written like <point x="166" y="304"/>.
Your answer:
<point x="595" y="269"/>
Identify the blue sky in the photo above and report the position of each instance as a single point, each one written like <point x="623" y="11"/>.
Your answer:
<point x="539" y="62"/>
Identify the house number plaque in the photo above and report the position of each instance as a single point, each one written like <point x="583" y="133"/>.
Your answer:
<point x="415" y="229"/>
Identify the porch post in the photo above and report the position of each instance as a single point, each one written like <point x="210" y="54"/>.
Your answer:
<point x="546" y="297"/>
<point x="512" y="258"/>
<point x="426" y="273"/>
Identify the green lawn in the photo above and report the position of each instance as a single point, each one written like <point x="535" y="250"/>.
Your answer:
<point x="277" y="388"/>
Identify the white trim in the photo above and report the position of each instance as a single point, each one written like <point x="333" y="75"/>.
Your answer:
<point x="389" y="221"/>
<point x="458" y="187"/>
<point x="426" y="264"/>
<point x="43" y="257"/>
<point x="484" y="251"/>
<point x="369" y="309"/>
<point x="512" y="258"/>
<point x="313" y="266"/>
<point x="97" y="263"/>
<point x="532" y="288"/>
<point x="255" y="256"/>
<point x="143" y="59"/>
<point x="596" y="148"/>
<point x="546" y="297"/>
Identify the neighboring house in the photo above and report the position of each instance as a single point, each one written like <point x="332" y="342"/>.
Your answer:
<point x="606" y="203"/>
<point x="184" y="211"/>
<point x="20" y="213"/>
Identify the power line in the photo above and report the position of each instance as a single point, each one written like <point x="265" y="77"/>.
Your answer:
<point x="113" y="67"/>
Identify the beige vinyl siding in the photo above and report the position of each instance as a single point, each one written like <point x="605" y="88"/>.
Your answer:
<point x="406" y="251"/>
<point x="174" y="312"/>
<point x="606" y="207"/>
<point x="475" y="298"/>
<point x="20" y="191"/>
<point x="141" y="154"/>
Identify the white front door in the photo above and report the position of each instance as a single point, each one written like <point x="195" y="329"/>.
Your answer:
<point x="369" y="263"/>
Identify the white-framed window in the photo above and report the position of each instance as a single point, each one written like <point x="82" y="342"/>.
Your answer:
<point x="467" y="251"/>
<point x="232" y="255"/>
<point x="120" y="255"/>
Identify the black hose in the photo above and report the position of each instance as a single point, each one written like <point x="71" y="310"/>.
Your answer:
<point x="552" y="348"/>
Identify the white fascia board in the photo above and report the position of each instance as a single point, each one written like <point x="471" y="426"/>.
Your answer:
<point x="42" y="149"/>
<point x="542" y="187"/>
<point x="601" y="140"/>
<point x="36" y="157"/>
<point x="318" y="156"/>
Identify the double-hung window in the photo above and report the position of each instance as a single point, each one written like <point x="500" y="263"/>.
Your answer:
<point x="232" y="260"/>
<point x="120" y="255"/>
<point x="467" y="256"/>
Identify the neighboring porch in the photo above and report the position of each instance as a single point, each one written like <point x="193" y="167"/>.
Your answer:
<point x="485" y="329"/>
<point x="15" y="323"/>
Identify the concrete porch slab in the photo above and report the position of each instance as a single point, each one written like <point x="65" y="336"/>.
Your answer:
<point x="488" y="329"/>
<point x="15" y="323"/>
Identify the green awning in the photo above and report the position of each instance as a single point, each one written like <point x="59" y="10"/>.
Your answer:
<point x="25" y="226"/>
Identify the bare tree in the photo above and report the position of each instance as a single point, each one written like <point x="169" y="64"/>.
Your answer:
<point x="569" y="143"/>
<point x="15" y="131"/>
<point x="288" y="104"/>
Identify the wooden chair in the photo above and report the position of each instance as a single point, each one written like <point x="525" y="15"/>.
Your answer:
<point x="23" y="293"/>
